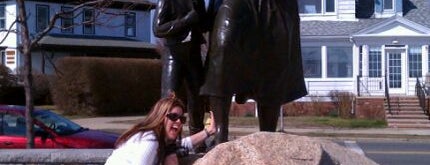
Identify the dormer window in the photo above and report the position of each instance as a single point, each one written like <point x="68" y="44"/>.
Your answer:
<point x="130" y="24"/>
<point x="67" y="20"/>
<point x="89" y="21"/>
<point x="316" y="6"/>
<point x="42" y="17"/>
<point x="2" y="16"/>
<point x="388" y="4"/>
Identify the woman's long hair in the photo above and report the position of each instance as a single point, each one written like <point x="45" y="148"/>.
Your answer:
<point x="154" y="121"/>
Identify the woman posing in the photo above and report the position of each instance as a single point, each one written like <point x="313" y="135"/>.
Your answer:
<point x="150" y="141"/>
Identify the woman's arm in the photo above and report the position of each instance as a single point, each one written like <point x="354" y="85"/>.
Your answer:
<point x="201" y="136"/>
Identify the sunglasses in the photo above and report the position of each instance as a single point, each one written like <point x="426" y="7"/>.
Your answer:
<point x="175" y="117"/>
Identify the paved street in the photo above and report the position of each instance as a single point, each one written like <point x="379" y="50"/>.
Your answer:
<point x="391" y="151"/>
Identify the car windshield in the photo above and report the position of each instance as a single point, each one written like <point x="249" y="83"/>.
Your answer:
<point x="60" y="125"/>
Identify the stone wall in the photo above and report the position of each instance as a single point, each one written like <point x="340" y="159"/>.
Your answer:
<point x="365" y="108"/>
<point x="54" y="156"/>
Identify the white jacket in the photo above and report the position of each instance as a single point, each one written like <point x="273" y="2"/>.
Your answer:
<point x="140" y="149"/>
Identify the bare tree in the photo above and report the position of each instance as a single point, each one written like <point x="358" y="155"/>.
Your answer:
<point x="29" y="43"/>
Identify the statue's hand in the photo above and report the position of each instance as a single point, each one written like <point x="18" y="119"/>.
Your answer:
<point x="191" y="18"/>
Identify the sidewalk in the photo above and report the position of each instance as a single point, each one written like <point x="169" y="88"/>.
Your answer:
<point x="120" y="123"/>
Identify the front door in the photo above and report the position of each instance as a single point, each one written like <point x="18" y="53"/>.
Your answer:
<point x="396" y="71"/>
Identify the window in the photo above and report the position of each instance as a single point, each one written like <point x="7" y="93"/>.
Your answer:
<point x="3" y="57"/>
<point x="2" y="17"/>
<point x="67" y="20"/>
<point x="316" y="6"/>
<point x="88" y="21"/>
<point x="375" y="62"/>
<point x="339" y="62"/>
<point x="415" y="62"/>
<point x="130" y="24"/>
<point x="311" y="57"/>
<point x="388" y="4"/>
<point x="13" y="125"/>
<point x="42" y="17"/>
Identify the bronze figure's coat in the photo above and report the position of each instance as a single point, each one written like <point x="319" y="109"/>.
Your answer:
<point x="254" y="53"/>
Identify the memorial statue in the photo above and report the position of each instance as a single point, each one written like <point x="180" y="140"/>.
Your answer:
<point x="254" y="53"/>
<point x="179" y="23"/>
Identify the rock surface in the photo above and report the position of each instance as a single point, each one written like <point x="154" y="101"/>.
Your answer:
<point x="267" y="148"/>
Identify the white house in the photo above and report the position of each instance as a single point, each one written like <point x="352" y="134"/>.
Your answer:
<point x="347" y="45"/>
<point x="123" y="29"/>
<point x="352" y="45"/>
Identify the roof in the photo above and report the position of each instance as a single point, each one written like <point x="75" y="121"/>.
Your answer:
<point x="85" y="43"/>
<point x="414" y="10"/>
<point x="336" y="28"/>
<point x="119" y="4"/>
<point x="417" y="11"/>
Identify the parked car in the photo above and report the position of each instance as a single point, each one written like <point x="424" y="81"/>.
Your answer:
<point x="51" y="131"/>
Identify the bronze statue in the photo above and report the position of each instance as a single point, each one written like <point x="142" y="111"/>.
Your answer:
<point x="254" y="53"/>
<point x="178" y="22"/>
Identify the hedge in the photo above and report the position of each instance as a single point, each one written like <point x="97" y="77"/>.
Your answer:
<point x="106" y="86"/>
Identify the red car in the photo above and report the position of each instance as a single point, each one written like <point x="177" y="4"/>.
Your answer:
<point x="51" y="131"/>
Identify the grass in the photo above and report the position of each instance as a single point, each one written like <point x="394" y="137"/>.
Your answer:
<point x="347" y="123"/>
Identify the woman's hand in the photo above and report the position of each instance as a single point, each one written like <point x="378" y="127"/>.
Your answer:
<point x="212" y="125"/>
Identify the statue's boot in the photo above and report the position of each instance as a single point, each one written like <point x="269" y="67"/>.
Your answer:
<point x="268" y="114"/>
<point x="220" y="107"/>
<point x="196" y="114"/>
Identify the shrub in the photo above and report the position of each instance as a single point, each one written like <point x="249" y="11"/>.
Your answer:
<point x="10" y="92"/>
<point x="343" y="102"/>
<point x="41" y="86"/>
<point x="106" y="86"/>
<point x="7" y="79"/>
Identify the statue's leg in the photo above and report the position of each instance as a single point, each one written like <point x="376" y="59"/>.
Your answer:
<point x="268" y="114"/>
<point x="170" y="75"/>
<point x="220" y="107"/>
<point x="194" y="75"/>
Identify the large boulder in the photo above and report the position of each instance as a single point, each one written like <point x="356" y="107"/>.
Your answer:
<point x="266" y="148"/>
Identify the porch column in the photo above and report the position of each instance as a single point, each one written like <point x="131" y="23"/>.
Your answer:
<point x="425" y="60"/>
<point x="324" y="61"/>
<point x="355" y="65"/>
<point x="365" y="60"/>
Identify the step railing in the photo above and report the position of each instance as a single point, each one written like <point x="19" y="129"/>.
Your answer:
<point x="387" y="93"/>
<point x="367" y="85"/>
<point x="420" y="91"/>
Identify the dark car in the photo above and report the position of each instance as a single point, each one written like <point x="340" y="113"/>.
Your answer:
<point x="51" y="131"/>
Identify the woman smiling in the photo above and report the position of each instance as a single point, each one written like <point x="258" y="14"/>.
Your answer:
<point x="150" y="141"/>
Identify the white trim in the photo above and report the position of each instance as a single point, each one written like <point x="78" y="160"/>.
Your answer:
<point x="324" y="61"/>
<point x="424" y="31"/>
<point x="355" y="64"/>
<point x="365" y="60"/>
<point x="323" y="10"/>
<point x="425" y="59"/>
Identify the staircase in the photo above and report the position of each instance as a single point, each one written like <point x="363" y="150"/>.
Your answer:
<point x="406" y="113"/>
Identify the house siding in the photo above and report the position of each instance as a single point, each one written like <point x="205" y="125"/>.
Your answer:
<point x="108" y="25"/>
<point x="392" y="31"/>
<point x="346" y="9"/>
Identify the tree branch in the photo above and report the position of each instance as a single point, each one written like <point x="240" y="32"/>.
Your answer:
<point x="95" y="4"/>
<point x="8" y="31"/>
